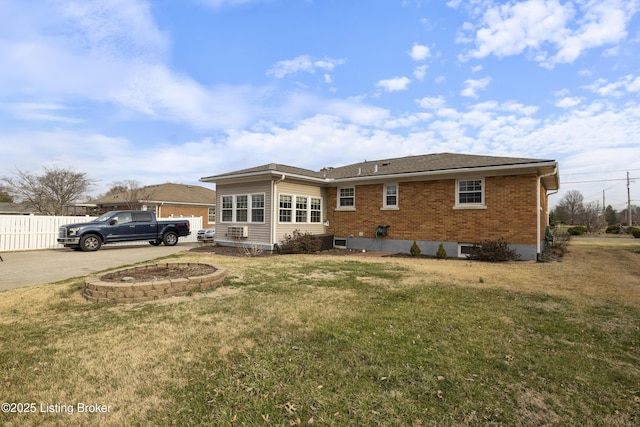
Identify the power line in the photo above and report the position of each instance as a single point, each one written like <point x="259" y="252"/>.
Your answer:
<point x="595" y="180"/>
<point x="599" y="172"/>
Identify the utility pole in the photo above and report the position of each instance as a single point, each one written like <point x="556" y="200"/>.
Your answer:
<point x="629" y="200"/>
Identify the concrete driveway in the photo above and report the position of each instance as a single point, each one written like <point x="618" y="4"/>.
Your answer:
<point x="29" y="268"/>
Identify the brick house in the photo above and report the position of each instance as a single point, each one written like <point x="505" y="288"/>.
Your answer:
<point x="166" y="200"/>
<point x="384" y="205"/>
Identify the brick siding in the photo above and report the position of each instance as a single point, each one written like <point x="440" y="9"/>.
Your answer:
<point x="166" y="211"/>
<point x="426" y="212"/>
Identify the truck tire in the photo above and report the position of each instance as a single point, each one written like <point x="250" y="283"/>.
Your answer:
<point x="90" y="242"/>
<point x="170" y="238"/>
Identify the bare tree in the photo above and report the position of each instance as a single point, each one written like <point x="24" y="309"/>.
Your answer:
<point x="592" y="216"/>
<point x="5" y="196"/>
<point x="50" y="192"/>
<point x="572" y="206"/>
<point x="131" y="192"/>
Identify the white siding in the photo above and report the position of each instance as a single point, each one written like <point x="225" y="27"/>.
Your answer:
<point x="259" y="233"/>
<point x="297" y="189"/>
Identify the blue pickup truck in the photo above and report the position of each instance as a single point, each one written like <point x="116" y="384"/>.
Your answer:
<point x="122" y="226"/>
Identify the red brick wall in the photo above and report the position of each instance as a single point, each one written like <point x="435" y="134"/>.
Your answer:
<point x="426" y="212"/>
<point x="165" y="211"/>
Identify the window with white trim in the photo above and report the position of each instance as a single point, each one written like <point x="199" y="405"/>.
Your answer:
<point x="470" y="192"/>
<point x="227" y="208"/>
<point x="390" y="196"/>
<point x="315" y="209"/>
<point x="464" y="249"/>
<point x="242" y="208"/>
<point x="347" y="197"/>
<point x="285" y="208"/>
<point x="212" y="215"/>
<point x="236" y="208"/>
<point x="257" y="208"/>
<point x="301" y="209"/>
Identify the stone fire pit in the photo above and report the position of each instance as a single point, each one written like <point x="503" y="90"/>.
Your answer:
<point x="152" y="282"/>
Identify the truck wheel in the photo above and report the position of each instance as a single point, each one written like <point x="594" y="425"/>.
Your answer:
<point x="170" y="238"/>
<point x="90" y="242"/>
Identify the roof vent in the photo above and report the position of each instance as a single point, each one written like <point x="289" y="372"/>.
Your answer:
<point x="375" y="168"/>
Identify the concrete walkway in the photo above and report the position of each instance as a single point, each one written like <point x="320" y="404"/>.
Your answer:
<point x="27" y="268"/>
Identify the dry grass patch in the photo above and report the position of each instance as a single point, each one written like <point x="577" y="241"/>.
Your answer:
<point x="340" y="341"/>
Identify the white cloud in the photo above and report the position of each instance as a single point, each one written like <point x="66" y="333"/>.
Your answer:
<point x="420" y="72"/>
<point x="625" y="84"/>
<point x="471" y="87"/>
<point x="112" y="52"/>
<point x="430" y="103"/>
<point x="395" y="84"/>
<point x="115" y="28"/>
<point x="419" y="52"/>
<point x="540" y="26"/>
<point x="568" y="102"/>
<point x="47" y="112"/>
<point x="303" y="63"/>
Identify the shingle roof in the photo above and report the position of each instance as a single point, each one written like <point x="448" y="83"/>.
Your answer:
<point x="399" y="165"/>
<point x="172" y="193"/>
<point x="425" y="163"/>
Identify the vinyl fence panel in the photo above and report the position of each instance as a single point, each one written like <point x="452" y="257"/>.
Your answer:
<point x="29" y="232"/>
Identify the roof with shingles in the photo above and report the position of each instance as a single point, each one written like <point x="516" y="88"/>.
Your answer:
<point x="425" y="163"/>
<point x="171" y="193"/>
<point x="399" y="165"/>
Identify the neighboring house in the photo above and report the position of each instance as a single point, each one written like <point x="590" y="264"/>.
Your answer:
<point x="16" y="209"/>
<point x="385" y="205"/>
<point x="166" y="200"/>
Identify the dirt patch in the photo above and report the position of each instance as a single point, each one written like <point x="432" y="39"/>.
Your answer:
<point x="155" y="272"/>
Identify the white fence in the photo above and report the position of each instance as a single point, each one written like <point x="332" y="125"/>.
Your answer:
<point x="27" y="232"/>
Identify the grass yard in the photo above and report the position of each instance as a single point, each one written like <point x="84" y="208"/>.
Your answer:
<point x="334" y="341"/>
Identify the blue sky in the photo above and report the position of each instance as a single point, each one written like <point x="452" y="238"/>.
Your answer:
<point x="172" y="91"/>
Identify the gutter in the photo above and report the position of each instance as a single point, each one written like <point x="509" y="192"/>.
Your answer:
<point x="539" y="208"/>
<point x="274" y="209"/>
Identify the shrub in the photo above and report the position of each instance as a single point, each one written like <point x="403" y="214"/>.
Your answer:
<point x="441" y="254"/>
<point x="636" y="232"/>
<point x="415" y="249"/>
<point x="299" y="243"/>
<point x="493" y="251"/>
<point x="614" y="229"/>
<point x="577" y="230"/>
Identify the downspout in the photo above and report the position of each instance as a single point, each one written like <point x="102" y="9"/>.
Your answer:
<point x="274" y="208"/>
<point x="539" y="209"/>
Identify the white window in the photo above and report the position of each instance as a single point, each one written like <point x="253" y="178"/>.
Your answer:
<point x="301" y="208"/>
<point x="347" y="197"/>
<point x="315" y="209"/>
<point x="242" y="208"/>
<point x="285" y="208"/>
<point x="212" y="215"/>
<point x="236" y="208"/>
<point x="257" y="208"/>
<point x="465" y="249"/>
<point x="470" y="193"/>
<point x="227" y="208"/>
<point x="390" y="196"/>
